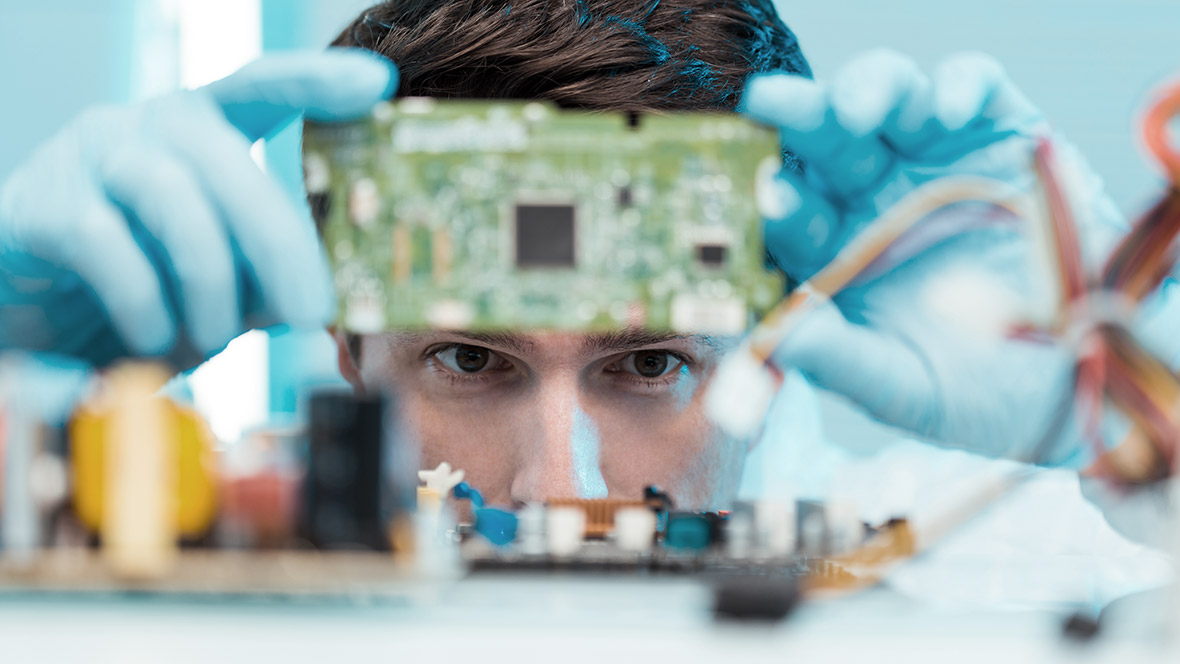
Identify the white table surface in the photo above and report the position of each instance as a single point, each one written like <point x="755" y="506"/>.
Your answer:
<point x="509" y="619"/>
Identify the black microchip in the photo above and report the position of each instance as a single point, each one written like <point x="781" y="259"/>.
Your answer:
<point x="545" y="236"/>
<point x="711" y="254"/>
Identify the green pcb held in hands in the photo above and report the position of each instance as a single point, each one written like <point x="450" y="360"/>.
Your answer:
<point x="493" y="215"/>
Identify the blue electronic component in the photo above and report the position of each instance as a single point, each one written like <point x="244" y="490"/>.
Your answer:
<point x="688" y="530"/>
<point x="464" y="491"/>
<point x="498" y="526"/>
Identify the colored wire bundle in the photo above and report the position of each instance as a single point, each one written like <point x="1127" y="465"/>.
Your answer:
<point x="1112" y="366"/>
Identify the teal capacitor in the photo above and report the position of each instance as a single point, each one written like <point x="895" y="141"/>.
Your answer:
<point x="688" y="531"/>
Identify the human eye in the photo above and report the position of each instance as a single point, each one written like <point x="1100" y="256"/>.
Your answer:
<point x="651" y="368"/>
<point x="464" y="362"/>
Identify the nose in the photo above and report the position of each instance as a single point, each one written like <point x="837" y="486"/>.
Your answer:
<point x="560" y="456"/>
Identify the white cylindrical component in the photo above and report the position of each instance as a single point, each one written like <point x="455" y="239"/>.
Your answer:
<point x="564" y="529"/>
<point x="635" y="528"/>
<point x="139" y="511"/>
<point x="530" y="530"/>
<point x="20" y="526"/>
<point x="845" y="531"/>
<point x="49" y="480"/>
<point x="774" y="525"/>
<point x="813" y="534"/>
<point x="739" y="535"/>
<point x="429" y="502"/>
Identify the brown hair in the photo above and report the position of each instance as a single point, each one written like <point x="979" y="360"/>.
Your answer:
<point x="620" y="55"/>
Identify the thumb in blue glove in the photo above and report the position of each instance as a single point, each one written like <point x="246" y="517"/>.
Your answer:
<point x="140" y="230"/>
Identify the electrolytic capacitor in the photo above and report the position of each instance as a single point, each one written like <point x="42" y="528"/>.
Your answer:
<point x="349" y="497"/>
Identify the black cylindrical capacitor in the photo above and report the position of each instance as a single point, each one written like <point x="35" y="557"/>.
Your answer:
<point x="349" y="497"/>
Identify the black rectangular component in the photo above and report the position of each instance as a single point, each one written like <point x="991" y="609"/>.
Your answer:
<point x="712" y="255"/>
<point x="544" y="236"/>
<point x="346" y="499"/>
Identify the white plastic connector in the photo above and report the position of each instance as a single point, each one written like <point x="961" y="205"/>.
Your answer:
<point x="442" y="479"/>
<point x="635" y="528"/>
<point x="564" y="528"/>
<point x="740" y="393"/>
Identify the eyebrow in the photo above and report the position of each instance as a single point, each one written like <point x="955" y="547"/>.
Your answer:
<point x="514" y="342"/>
<point x="631" y="339"/>
<point x="591" y="343"/>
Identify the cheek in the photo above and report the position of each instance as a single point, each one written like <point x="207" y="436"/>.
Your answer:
<point x="468" y="435"/>
<point x="471" y="434"/>
<point x="674" y="447"/>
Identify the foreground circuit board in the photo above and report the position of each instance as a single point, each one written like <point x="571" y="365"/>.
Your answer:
<point x="491" y="215"/>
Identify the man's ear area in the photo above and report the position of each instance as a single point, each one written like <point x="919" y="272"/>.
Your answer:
<point x="346" y="360"/>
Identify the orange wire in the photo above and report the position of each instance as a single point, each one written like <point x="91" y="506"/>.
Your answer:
<point x="1157" y="136"/>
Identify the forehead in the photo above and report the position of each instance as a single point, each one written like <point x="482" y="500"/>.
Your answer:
<point x="586" y="343"/>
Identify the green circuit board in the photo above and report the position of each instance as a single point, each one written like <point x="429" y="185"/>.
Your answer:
<point x="484" y="215"/>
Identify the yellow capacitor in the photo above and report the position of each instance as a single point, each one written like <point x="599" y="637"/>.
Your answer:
<point x="196" y="476"/>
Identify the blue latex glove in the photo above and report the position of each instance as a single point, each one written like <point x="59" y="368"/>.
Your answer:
<point x="148" y="230"/>
<point x="868" y="137"/>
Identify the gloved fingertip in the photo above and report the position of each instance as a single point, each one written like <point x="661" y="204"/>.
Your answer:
<point x="360" y="79"/>
<point x="310" y="307"/>
<point x="963" y="84"/>
<point x="954" y="117"/>
<point x="394" y="78"/>
<point x="858" y="113"/>
<point x="384" y="73"/>
<point x="785" y="100"/>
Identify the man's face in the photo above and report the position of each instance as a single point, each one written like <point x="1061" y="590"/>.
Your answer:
<point x="537" y="416"/>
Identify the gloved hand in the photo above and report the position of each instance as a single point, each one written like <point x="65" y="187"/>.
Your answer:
<point x="148" y="230"/>
<point x="895" y="342"/>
